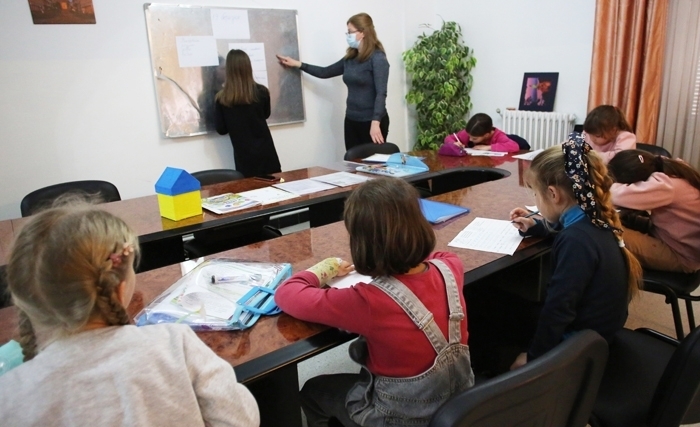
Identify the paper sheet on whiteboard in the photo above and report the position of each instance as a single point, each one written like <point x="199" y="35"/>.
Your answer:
<point x="230" y="24"/>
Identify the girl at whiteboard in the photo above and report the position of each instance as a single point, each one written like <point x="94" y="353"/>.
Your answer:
<point x="365" y="71"/>
<point x="242" y="107"/>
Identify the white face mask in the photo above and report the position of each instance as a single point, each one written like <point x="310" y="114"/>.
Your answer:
<point x="352" y="40"/>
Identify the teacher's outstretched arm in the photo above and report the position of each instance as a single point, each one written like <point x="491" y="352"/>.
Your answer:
<point x="288" y="62"/>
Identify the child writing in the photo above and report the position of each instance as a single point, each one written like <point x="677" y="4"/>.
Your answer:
<point x="670" y="190"/>
<point x="606" y="130"/>
<point x="593" y="274"/>
<point x="480" y="135"/>
<point x="242" y="107"/>
<point x="71" y="276"/>
<point x="414" y="364"/>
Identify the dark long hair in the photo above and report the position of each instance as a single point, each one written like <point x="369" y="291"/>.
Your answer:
<point x="630" y="166"/>
<point x="479" y="125"/>
<point x="239" y="87"/>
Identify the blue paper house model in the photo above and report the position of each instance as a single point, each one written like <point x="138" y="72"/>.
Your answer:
<point x="178" y="194"/>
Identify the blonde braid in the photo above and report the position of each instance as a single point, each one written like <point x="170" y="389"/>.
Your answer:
<point x="606" y="212"/>
<point x="27" y="336"/>
<point x="107" y="301"/>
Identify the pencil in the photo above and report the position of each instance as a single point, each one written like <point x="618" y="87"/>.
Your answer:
<point x="529" y="215"/>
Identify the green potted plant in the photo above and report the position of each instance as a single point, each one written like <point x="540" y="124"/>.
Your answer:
<point x="440" y="67"/>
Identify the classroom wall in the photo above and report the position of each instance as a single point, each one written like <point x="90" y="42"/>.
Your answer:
<point x="511" y="37"/>
<point x="78" y="101"/>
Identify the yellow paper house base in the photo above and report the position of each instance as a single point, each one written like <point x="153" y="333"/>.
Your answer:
<point x="179" y="207"/>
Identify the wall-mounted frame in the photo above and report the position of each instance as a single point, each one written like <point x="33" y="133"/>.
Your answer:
<point x="538" y="91"/>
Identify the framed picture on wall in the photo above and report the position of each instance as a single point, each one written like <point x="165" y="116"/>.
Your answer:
<point x="62" y="11"/>
<point x="538" y="91"/>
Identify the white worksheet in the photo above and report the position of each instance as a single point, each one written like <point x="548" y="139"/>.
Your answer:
<point x="304" y="186"/>
<point x="530" y="155"/>
<point x="230" y="24"/>
<point x="488" y="235"/>
<point x="348" y="280"/>
<point x="256" y="53"/>
<point x="475" y="152"/>
<point x="342" y="179"/>
<point x="267" y="195"/>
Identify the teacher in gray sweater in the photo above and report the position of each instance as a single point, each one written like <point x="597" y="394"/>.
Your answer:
<point x="365" y="71"/>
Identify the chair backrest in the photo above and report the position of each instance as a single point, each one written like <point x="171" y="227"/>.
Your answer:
<point x="215" y="176"/>
<point x="103" y="191"/>
<point x="365" y="150"/>
<point x="522" y="143"/>
<point x="654" y="149"/>
<point x="677" y="397"/>
<point x="557" y="389"/>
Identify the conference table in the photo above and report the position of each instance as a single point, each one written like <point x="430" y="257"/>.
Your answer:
<point x="161" y="239"/>
<point x="265" y="355"/>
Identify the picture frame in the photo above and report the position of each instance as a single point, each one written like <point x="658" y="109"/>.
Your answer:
<point x="62" y="11"/>
<point x="538" y="91"/>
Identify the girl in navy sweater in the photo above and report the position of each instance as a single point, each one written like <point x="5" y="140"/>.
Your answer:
<point x="593" y="275"/>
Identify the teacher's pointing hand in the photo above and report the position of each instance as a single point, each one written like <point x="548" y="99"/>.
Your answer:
<point x="288" y="62"/>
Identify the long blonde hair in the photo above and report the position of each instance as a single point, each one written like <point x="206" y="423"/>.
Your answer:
<point x="363" y="22"/>
<point x="240" y="87"/>
<point x="62" y="272"/>
<point x="548" y="168"/>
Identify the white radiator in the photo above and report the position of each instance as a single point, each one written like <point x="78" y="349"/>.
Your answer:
<point x="541" y="130"/>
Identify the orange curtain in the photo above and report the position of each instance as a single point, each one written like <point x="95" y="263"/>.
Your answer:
<point x="627" y="64"/>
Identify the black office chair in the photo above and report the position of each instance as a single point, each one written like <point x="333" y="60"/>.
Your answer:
<point x="654" y="149"/>
<point x="651" y="380"/>
<point x="215" y="176"/>
<point x="675" y="286"/>
<point x="557" y="389"/>
<point x="101" y="192"/>
<point x="365" y="150"/>
<point x="522" y="143"/>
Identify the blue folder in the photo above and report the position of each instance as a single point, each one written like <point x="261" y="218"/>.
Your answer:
<point x="437" y="212"/>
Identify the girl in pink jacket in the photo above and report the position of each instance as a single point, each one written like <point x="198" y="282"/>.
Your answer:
<point x="606" y="130"/>
<point x="670" y="191"/>
<point x="480" y="135"/>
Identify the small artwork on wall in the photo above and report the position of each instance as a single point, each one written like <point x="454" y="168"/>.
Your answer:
<point x="538" y="91"/>
<point x="62" y="11"/>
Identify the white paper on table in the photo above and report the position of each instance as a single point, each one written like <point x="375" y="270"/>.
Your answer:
<point x="342" y="179"/>
<point x="196" y="51"/>
<point x="187" y="266"/>
<point x="530" y="155"/>
<point x="488" y="235"/>
<point x="304" y="186"/>
<point x="230" y="24"/>
<point x="379" y="158"/>
<point x="267" y="195"/>
<point x="349" y="280"/>
<point x="475" y="152"/>
<point x="532" y="208"/>
<point x="256" y="53"/>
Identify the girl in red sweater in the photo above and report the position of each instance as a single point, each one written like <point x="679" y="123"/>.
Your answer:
<point x="412" y="314"/>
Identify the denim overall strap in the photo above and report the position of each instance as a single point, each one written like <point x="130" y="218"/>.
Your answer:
<point x="414" y="308"/>
<point x="456" y="310"/>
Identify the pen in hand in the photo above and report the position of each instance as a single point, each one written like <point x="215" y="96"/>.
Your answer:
<point x="529" y="215"/>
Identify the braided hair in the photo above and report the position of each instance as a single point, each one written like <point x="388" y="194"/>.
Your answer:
<point x="65" y="269"/>
<point x="581" y="174"/>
